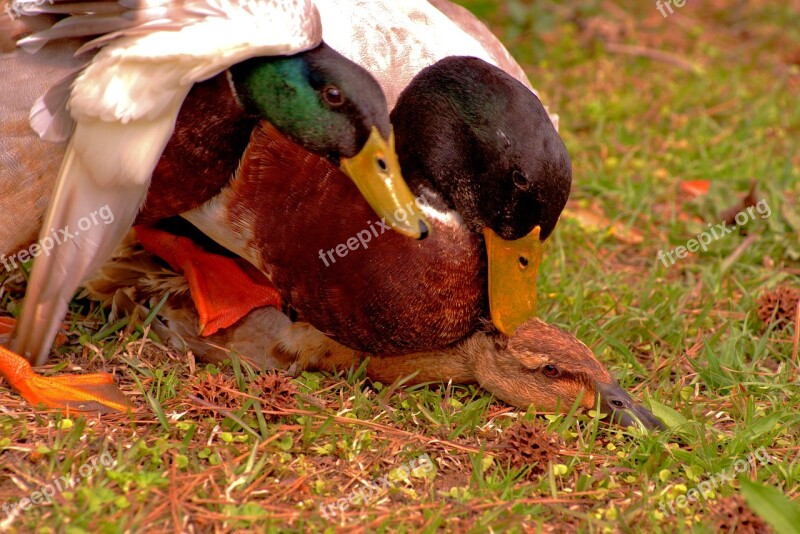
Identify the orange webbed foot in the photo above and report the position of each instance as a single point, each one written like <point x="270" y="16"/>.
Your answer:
<point x="223" y="289"/>
<point x="95" y="393"/>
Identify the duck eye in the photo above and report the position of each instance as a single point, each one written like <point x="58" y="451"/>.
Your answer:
<point x="332" y="95"/>
<point x="520" y="180"/>
<point x="551" y="371"/>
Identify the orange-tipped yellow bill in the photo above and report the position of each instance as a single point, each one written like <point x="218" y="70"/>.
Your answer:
<point x="95" y="393"/>
<point x="513" y="272"/>
<point x="376" y="172"/>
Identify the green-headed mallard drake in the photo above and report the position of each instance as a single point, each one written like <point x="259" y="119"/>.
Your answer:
<point x="118" y="114"/>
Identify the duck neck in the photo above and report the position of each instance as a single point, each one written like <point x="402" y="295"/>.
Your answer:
<point x="462" y="363"/>
<point x="472" y="360"/>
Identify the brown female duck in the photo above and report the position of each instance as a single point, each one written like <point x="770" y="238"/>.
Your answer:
<point x="538" y="366"/>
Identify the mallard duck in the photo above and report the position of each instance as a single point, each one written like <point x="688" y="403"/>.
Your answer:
<point x="119" y="113"/>
<point x="539" y="365"/>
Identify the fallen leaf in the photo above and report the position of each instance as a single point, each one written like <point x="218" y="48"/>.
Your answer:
<point x="729" y="215"/>
<point x="695" y="188"/>
<point x="593" y="221"/>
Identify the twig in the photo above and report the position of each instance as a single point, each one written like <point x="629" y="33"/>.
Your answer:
<point x="796" y="340"/>
<point x="657" y="55"/>
<point x="736" y="254"/>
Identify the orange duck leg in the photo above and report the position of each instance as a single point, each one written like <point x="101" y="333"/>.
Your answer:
<point x="223" y="289"/>
<point x="95" y="393"/>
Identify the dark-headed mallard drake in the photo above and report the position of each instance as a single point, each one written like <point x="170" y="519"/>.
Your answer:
<point x="118" y="113"/>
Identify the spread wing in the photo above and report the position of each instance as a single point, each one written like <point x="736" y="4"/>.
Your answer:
<point x="120" y="110"/>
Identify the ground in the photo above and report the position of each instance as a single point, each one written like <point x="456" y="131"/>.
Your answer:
<point x="669" y="120"/>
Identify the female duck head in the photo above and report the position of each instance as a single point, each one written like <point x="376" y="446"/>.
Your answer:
<point x="485" y="141"/>
<point x="330" y="106"/>
<point x="544" y="366"/>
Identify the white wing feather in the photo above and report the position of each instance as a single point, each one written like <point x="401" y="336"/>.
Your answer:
<point x="394" y="40"/>
<point x="124" y="104"/>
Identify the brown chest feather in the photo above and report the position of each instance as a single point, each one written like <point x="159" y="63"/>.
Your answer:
<point x="347" y="274"/>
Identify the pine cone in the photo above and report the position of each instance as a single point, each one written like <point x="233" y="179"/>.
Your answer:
<point x="731" y="514"/>
<point x="275" y="390"/>
<point x="527" y="444"/>
<point x="219" y="390"/>
<point x="782" y="302"/>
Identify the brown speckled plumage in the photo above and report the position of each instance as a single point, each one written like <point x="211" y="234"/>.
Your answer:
<point x="28" y="165"/>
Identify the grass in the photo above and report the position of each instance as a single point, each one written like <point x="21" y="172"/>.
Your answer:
<point x="720" y="106"/>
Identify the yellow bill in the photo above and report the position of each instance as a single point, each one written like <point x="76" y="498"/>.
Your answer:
<point x="376" y="172"/>
<point x="513" y="272"/>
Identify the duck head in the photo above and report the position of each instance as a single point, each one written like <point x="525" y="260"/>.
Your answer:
<point x="548" y="368"/>
<point x="485" y="141"/>
<point x="334" y="108"/>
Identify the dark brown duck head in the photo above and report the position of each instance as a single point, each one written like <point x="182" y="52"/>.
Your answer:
<point x="485" y="141"/>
